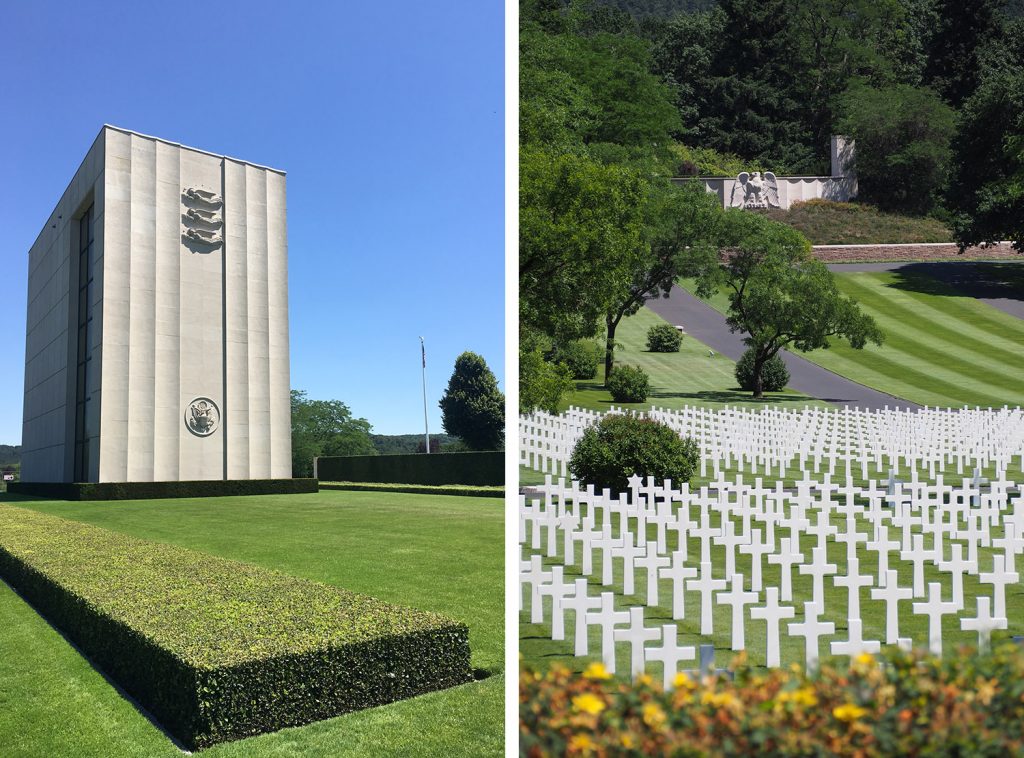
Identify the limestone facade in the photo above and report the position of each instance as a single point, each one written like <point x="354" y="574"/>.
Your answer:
<point x="173" y="363"/>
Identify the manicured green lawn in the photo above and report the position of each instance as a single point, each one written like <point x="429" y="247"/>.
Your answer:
<point x="540" y="651"/>
<point x="690" y="377"/>
<point x="941" y="348"/>
<point x="438" y="553"/>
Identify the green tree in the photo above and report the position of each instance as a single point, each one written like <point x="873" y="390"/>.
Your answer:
<point x="903" y="137"/>
<point x="542" y="383"/>
<point x="987" y="185"/>
<point x="325" y="427"/>
<point x="473" y="408"/>
<point x="962" y="31"/>
<point x="581" y="224"/>
<point x="679" y="220"/>
<point x="778" y="294"/>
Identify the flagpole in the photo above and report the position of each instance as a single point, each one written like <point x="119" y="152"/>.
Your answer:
<point x="426" y="431"/>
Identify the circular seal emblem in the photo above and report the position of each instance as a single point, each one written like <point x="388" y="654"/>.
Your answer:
<point x="202" y="417"/>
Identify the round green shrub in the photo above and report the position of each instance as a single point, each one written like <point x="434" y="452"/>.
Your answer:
<point x="664" y="338"/>
<point x="581" y="358"/>
<point x="619" y="447"/>
<point x="774" y="374"/>
<point x="629" y="384"/>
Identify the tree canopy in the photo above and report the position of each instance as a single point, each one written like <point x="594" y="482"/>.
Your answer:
<point x="473" y="408"/>
<point x="325" y="427"/>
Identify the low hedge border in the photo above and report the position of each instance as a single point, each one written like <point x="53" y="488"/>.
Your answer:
<point x="477" y="468"/>
<point x="158" y="490"/>
<point x="416" y="489"/>
<point x="899" y="704"/>
<point x="218" y="650"/>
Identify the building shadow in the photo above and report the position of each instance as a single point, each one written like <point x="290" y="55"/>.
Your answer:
<point x="981" y="279"/>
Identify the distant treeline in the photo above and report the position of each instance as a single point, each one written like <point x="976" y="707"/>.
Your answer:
<point x="10" y="455"/>
<point x="394" y="444"/>
<point x="641" y="9"/>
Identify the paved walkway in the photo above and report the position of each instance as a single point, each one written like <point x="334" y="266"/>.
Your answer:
<point x="984" y="280"/>
<point x="704" y="323"/>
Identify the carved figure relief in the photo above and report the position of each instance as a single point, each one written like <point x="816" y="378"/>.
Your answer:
<point x="202" y="417"/>
<point x="753" y="191"/>
<point x="202" y="220"/>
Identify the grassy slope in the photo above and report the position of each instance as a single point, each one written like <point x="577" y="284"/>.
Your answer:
<point x="540" y="651"/>
<point x="689" y="377"/>
<point x="387" y="545"/>
<point x="941" y="348"/>
<point x="829" y="223"/>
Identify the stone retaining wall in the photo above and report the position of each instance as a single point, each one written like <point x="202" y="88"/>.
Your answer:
<point x="921" y="252"/>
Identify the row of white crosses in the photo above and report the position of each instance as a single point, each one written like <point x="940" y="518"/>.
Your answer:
<point x="919" y="522"/>
<point x="844" y="442"/>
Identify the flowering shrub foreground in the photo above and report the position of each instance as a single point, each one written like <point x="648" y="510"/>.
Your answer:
<point x="895" y="704"/>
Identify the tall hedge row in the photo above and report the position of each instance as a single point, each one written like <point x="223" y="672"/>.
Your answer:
<point x="219" y="650"/>
<point x="486" y="468"/>
<point x="155" y="490"/>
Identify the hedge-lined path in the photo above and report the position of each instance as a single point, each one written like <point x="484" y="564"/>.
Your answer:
<point x="707" y="325"/>
<point x="999" y="284"/>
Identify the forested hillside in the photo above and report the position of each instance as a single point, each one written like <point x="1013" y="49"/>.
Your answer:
<point x="10" y="455"/>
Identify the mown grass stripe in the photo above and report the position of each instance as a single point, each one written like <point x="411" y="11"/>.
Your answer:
<point x="889" y="307"/>
<point x="914" y="346"/>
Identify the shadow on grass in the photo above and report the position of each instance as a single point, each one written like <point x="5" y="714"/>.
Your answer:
<point x="972" y="278"/>
<point x="734" y="396"/>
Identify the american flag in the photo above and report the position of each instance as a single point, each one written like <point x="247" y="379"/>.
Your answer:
<point x="423" y="351"/>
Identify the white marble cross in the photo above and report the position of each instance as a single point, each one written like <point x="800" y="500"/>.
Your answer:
<point x="670" y="654"/>
<point x="536" y="576"/>
<point x="811" y="629"/>
<point x="786" y="558"/>
<point x="772" y="613"/>
<point x="853" y="581"/>
<point x="580" y="603"/>
<point x="652" y="562"/>
<point x="984" y="624"/>
<point x="818" y="569"/>
<point x="737" y="598"/>
<point x="706" y="585"/>
<point x="629" y="552"/>
<point x="881" y="544"/>
<point x="999" y="577"/>
<point x="957" y="566"/>
<point x="755" y="549"/>
<point x="607" y="618"/>
<point x="856" y="644"/>
<point x="935" y="608"/>
<point x="636" y="634"/>
<point x="918" y="558"/>
<point x="892" y="593"/>
<point x="679" y="573"/>
<point x="558" y="589"/>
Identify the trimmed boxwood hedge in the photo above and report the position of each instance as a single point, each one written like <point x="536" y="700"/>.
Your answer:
<point x="463" y="490"/>
<point x="158" y="490"/>
<point x="219" y="650"/>
<point x="478" y="468"/>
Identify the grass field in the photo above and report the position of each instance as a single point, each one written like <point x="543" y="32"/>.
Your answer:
<point x="824" y="222"/>
<point x="941" y="348"/>
<point x="689" y="377"/>
<point x="540" y="651"/>
<point x="438" y="553"/>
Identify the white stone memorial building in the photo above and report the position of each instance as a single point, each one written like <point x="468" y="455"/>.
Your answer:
<point x="157" y="331"/>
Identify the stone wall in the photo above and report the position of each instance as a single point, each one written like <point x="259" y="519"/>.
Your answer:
<point x="920" y="252"/>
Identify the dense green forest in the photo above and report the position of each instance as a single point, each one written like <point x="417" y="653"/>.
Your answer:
<point x="395" y="444"/>
<point x="10" y="455"/>
<point x="616" y="99"/>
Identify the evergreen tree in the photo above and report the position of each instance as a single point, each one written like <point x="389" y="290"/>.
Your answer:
<point x="473" y="408"/>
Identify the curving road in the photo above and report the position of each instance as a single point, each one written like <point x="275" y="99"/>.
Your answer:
<point x="704" y="323"/>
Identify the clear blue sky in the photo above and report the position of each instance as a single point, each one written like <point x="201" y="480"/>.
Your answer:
<point x="388" y="118"/>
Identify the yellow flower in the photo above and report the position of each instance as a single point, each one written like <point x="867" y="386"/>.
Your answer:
<point x="848" y="712"/>
<point x="596" y="671"/>
<point x="581" y="743"/>
<point x="718" y="699"/>
<point x="588" y="703"/>
<point x="804" y="697"/>
<point x="645" y="680"/>
<point x="653" y="716"/>
<point x="683" y="681"/>
<point x="865" y="659"/>
<point x="627" y="741"/>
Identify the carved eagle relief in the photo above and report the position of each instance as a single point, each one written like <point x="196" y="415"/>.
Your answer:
<point x="755" y="191"/>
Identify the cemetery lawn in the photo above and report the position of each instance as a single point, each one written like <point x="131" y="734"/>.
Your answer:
<point x="689" y="377"/>
<point x="437" y="553"/>
<point x="941" y="348"/>
<point x="538" y="651"/>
